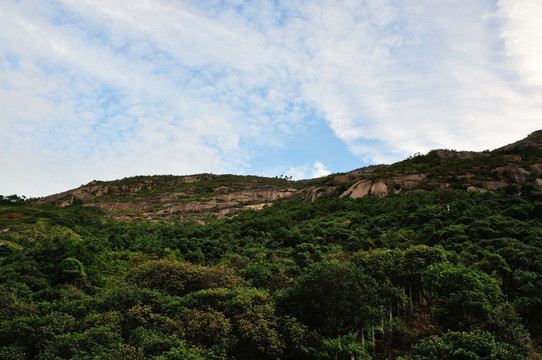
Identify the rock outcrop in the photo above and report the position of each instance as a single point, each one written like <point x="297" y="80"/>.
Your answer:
<point x="516" y="174"/>
<point x="459" y="155"/>
<point x="383" y="186"/>
<point x="493" y="185"/>
<point x="476" y="189"/>
<point x="163" y="198"/>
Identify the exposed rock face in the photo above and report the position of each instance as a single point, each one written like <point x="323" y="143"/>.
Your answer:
<point x="518" y="175"/>
<point x="461" y="155"/>
<point x="90" y="192"/>
<point x="120" y="206"/>
<point x="255" y="195"/>
<point x="538" y="183"/>
<point x="314" y="193"/>
<point x="512" y="158"/>
<point x="227" y="204"/>
<point x="150" y="199"/>
<point x="379" y="188"/>
<point x="493" y="185"/>
<point x="359" y="189"/>
<point x="346" y="178"/>
<point x="407" y="181"/>
<point x="384" y="186"/>
<point x="476" y="189"/>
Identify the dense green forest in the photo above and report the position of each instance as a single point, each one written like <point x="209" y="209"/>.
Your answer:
<point x="422" y="275"/>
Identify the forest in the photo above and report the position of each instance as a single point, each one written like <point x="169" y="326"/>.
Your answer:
<point x="422" y="275"/>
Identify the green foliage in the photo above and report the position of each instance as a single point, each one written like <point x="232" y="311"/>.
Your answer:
<point x="12" y="200"/>
<point x="181" y="352"/>
<point x="476" y="345"/>
<point x="344" y="347"/>
<point x="427" y="274"/>
<point x="464" y="298"/>
<point x="181" y="278"/>
<point x="209" y="329"/>
<point x="71" y="269"/>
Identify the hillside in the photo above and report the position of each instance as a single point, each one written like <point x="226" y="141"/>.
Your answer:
<point x="438" y="256"/>
<point x="207" y="196"/>
<point x="158" y="197"/>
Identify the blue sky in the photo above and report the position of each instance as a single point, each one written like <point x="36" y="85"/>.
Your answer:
<point x="101" y="89"/>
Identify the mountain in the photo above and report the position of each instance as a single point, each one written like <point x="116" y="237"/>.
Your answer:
<point x="517" y="166"/>
<point x="533" y="140"/>
<point x="436" y="256"/>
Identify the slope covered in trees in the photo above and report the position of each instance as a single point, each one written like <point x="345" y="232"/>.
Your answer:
<point x="424" y="275"/>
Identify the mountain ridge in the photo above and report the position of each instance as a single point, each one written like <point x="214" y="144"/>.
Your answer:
<point x="205" y="196"/>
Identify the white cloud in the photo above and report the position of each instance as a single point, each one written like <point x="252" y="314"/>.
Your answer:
<point x="521" y="30"/>
<point x="319" y="170"/>
<point x="298" y="172"/>
<point x="419" y="75"/>
<point x="102" y="89"/>
<point x="316" y="170"/>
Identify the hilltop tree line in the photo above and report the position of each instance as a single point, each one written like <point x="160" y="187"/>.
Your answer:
<point x="428" y="275"/>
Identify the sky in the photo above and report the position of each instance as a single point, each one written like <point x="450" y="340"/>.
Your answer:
<point x="107" y="89"/>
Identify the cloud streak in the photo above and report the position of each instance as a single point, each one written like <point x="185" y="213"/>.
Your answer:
<point x="101" y="89"/>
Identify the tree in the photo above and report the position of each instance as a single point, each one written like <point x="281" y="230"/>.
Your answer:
<point x="251" y="314"/>
<point x="344" y="347"/>
<point x="462" y="297"/>
<point x="453" y="345"/>
<point x="208" y="329"/>
<point x="71" y="270"/>
<point x="180" y="278"/>
<point x="326" y="297"/>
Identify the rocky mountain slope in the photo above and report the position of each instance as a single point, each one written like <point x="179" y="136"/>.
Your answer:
<point x="195" y="196"/>
<point x="515" y="167"/>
